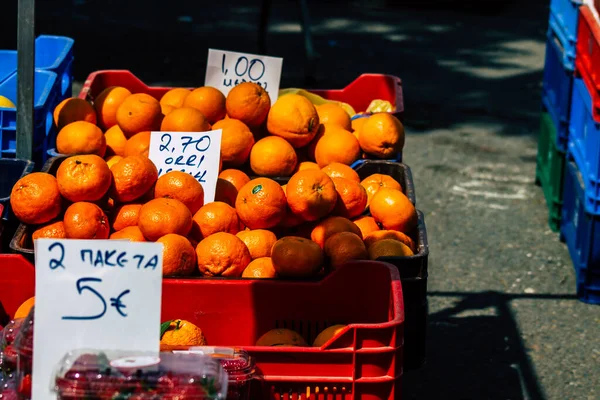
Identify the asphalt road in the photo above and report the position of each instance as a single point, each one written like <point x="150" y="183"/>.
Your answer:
<point x="504" y="322"/>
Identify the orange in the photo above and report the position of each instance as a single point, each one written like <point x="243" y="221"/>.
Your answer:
<point x="296" y="257"/>
<point x="74" y="109"/>
<point x="115" y="141"/>
<point x="273" y="156"/>
<point x="112" y="160"/>
<point x="249" y="103"/>
<point x="214" y="217"/>
<point x="138" y="144"/>
<point x="312" y="145"/>
<point x="131" y="233"/>
<point x="126" y="215"/>
<point x="225" y="192"/>
<point x="166" y="109"/>
<point x="382" y="135"/>
<point x="180" y="186"/>
<point x="373" y="237"/>
<point x="85" y="220"/>
<point x="222" y="254"/>
<point x="209" y="101"/>
<point x="133" y="176"/>
<point x="182" y="333"/>
<point x="261" y="204"/>
<point x="179" y="257"/>
<point x="81" y="137"/>
<point x="138" y="113"/>
<point x="366" y="225"/>
<point x="236" y="177"/>
<point x="53" y="230"/>
<point x="343" y="247"/>
<point x="83" y="178"/>
<point x="236" y="141"/>
<point x="161" y="216"/>
<point x="185" y="119"/>
<point x="260" y="268"/>
<point x="339" y="170"/>
<point x="389" y="248"/>
<point x="327" y="334"/>
<point x="175" y="97"/>
<point x="351" y="198"/>
<point x="392" y="209"/>
<point x="290" y="220"/>
<point x="337" y="146"/>
<point x="330" y="226"/>
<point x="357" y="124"/>
<point x="330" y="113"/>
<point x="294" y="118"/>
<point x="281" y="337"/>
<point x="107" y="103"/>
<point x="375" y="182"/>
<point x="24" y="308"/>
<point x="311" y="194"/>
<point x="258" y="241"/>
<point x="35" y="198"/>
<point x="306" y="165"/>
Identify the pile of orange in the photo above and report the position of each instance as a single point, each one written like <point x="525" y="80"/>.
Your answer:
<point x="255" y="228"/>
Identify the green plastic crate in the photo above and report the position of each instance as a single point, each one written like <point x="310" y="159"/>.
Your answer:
<point x="550" y="170"/>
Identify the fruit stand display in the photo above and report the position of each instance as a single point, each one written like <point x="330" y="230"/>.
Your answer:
<point x="309" y="190"/>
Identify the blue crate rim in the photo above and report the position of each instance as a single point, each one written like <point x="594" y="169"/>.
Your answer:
<point x="45" y="93"/>
<point x="69" y="43"/>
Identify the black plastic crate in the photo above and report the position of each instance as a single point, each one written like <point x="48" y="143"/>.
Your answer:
<point x="398" y="171"/>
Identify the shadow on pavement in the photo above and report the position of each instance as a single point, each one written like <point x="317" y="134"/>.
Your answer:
<point x="475" y="351"/>
<point x="458" y="63"/>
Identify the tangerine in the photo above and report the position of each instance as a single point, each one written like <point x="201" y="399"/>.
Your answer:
<point x="249" y="103"/>
<point x="236" y="141"/>
<point x="261" y="204"/>
<point x="392" y="209"/>
<point x="273" y="156"/>
<point x="161" y="216"/>
<point x="222" y="254"/>
<point x="185" y="119"/>
<point x="311" y="194"/>
<point x="83" y="178"/>
<point x="81" y="137"/>
<point x="138" y="113"/>
<point x="179" y="257"/>
<point x="133" y="176"/>
<point x="214" y="217"/>
<point x="85" y="220"/>
<point x="35" y="198"/>
<point x="296" y="257"/>
<point x="294" y="118"/>
<point x="180" y="186"/>
<point x="260" y="268"/>
<point x="107" y="103"/>
<point x="209" y="101"/>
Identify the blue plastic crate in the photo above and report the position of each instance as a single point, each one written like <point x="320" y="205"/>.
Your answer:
<point x="564" y="16"/>
<point x="8" y="64"/>
<point x="584" y="144"/>
<point x="556" y="90"/>
<point x="55" y="53"/>
<point x="52" y="53"/>
<point x="581" y="231"/>
<point x="46" y="97"/>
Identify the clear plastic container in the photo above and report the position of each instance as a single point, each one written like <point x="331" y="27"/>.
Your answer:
<point x="92" y="374"/>
<point x="240" y="368"/>
<point x="23" y="347"/>
<point x="8" y="354"/>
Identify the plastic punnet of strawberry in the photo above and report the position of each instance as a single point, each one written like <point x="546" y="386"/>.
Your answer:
<point x="113" y="375"/>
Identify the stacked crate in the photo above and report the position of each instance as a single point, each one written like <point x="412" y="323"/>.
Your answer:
<point x="580" y="223"/>
<point x="556" y="104"/>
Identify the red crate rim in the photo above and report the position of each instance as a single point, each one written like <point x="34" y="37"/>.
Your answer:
<point x="92" y="76"/>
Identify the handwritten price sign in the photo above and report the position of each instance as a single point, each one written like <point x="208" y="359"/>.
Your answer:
<point x="226" y="69"/>
<point x="197" y="153"/>
<point x="99" y="294"/>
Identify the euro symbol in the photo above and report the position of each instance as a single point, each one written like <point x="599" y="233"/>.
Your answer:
<point x="117" y="304"/>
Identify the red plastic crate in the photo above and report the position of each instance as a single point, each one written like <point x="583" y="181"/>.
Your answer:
<point x="17" y="282"/>
<point x="358" y="94"/>
<point x="587" y="59"/>
<point x="364" y="362"/>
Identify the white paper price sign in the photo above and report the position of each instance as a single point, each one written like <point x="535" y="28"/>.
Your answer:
<point x="97" y="294"/>
<point x="197" y="153"/>
<point x="226" y="69"/>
